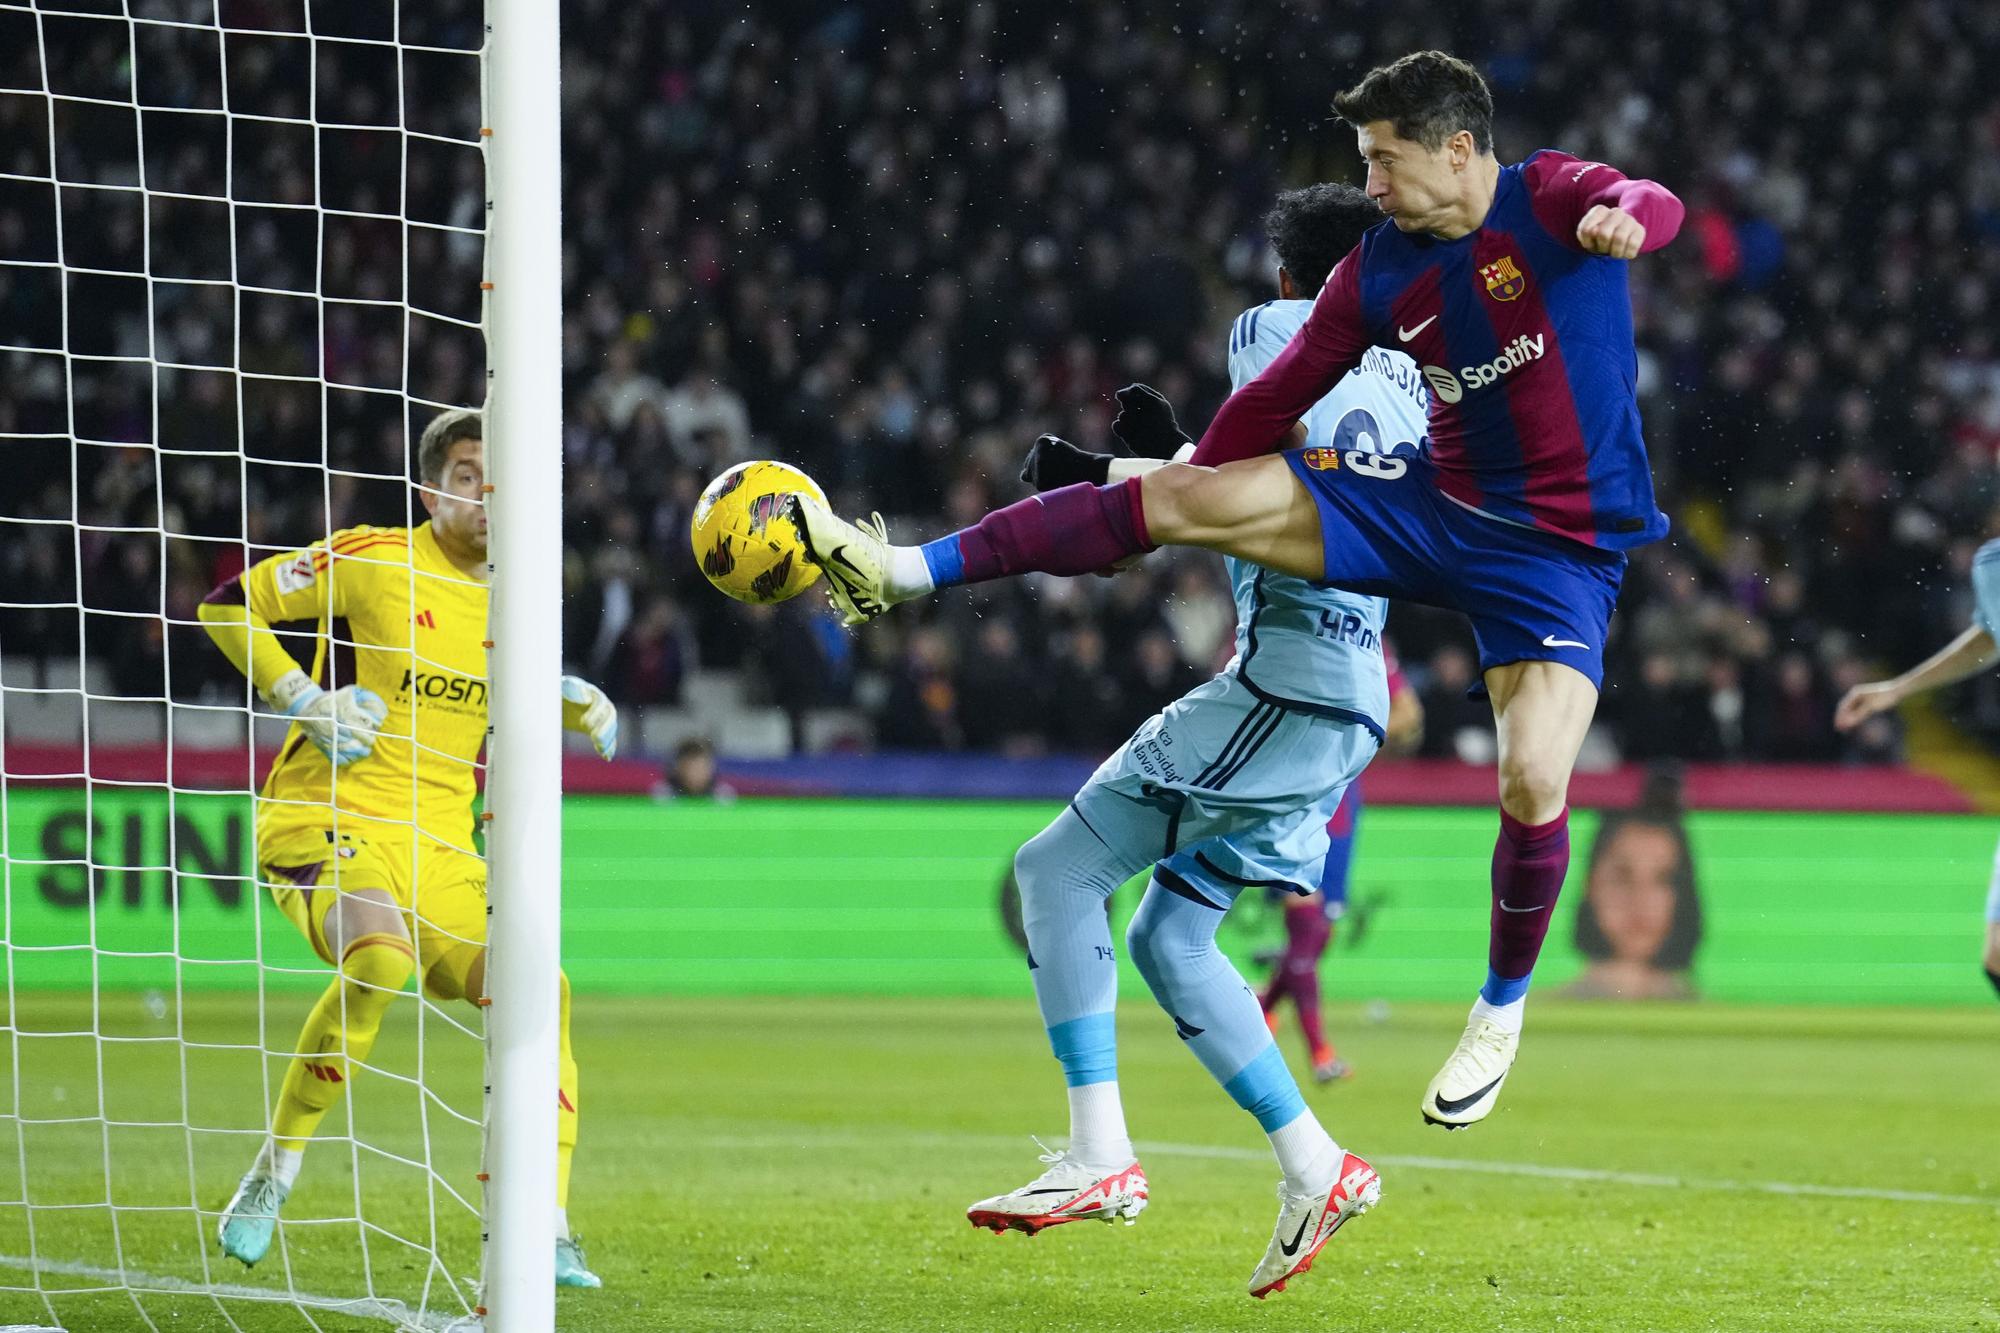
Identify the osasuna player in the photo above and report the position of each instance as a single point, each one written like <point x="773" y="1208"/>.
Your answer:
<point x="364" y="825"/>
<point x="1508" y="285"/>
<point x="1230" y="788"/>
<point x="1310" y="922"/>
<point x="1973" y="651"/>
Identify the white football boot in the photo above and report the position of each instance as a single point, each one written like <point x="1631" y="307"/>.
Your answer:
<point x="1306" y="1222"/>
<point x="1068" y="1191"/>
<point x="854" y="556"/>
<point x="1466" y="1089"/>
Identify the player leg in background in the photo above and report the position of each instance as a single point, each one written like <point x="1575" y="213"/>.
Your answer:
<point x="1066" y="874"/>
<point x="1542" y="711"/>
<point x="1309" y="929"/>
<point x="363" y="929"/>
<point x="1172" y="941"/>
<point x="1256" y="509"/>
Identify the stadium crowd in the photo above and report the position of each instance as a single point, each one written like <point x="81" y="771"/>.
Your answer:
<point x="892" y="242"/>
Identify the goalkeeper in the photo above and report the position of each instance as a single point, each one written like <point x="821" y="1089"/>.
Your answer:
<point x="365" y="825"/>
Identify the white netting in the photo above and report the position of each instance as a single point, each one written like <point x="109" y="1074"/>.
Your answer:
<point x="240" y="262"/>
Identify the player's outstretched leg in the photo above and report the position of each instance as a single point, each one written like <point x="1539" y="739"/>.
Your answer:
<point x="1172" y="938"/>
<point x="338" y="1035"/>
<point x="1065" y="873"/>
<point x="1254" y="509"/>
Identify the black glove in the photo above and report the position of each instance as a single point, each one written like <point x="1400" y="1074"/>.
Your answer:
<point x="1054" y="463"/>
<point x="1146" y="423"/>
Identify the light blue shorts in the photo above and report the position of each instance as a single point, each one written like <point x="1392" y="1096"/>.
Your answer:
<point x="1226" y="791"/>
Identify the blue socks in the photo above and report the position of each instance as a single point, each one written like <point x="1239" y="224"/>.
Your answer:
<point x="1173" y="944"/>
<point x="1500" y="990"/>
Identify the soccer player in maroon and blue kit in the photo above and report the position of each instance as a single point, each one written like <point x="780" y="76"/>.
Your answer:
<point x="1507" y="284"/>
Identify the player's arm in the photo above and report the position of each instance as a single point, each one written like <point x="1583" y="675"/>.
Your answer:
<point x="1967" y="655"/>
<point x="1258" y="417"/>
<point x="238" y="616"/>
<point x="589" y="710"/>
<point x="1598" y="209"/>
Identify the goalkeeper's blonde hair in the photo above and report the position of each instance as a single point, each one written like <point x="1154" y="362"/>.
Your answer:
<point x="446" y="429"/>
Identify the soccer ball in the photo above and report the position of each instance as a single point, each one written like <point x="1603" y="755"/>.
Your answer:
<point x="742" y="544"/>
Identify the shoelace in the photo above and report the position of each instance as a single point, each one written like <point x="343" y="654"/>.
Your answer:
<point x="1486" y="1035"/>
<point x="262" y="1198"/>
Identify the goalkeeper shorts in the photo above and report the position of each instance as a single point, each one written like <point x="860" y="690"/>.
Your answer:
<point x="440" y="890"/>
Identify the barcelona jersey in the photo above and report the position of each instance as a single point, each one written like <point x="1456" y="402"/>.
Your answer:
<point x="1524" y="341"/>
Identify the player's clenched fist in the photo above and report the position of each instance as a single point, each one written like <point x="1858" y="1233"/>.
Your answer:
<point x="1605" y="230"/>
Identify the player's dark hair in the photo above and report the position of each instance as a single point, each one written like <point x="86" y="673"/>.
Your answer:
<point x="1427" y="96"/>
<point x="1311" y="229"/>
<point x="445" y="429"/>
<point x="1676" y="952"/>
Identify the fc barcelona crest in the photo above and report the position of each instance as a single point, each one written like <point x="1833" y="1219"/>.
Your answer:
<point x="1503" y="281"/>
<point x="1321" y="460"/>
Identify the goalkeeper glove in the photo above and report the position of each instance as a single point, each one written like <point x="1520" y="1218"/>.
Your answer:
<point x="590" y="710"/>
<point x="1054" y="462"/>
<point x="344" y="724"/>
<point x="1146" y="424"/>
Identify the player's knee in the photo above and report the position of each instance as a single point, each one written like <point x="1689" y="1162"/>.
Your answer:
<point x="379" y="964"/>
<point x="1144" y="937"/>
<point x="1046" y="859"/>
<point x="1183" y="503"/>
<point x="1532" y="789"/>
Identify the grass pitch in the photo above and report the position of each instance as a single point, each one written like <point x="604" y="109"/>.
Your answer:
<point x="785" y="1164"/>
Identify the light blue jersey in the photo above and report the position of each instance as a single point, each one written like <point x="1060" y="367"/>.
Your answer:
<point x="1307" y="648"/>
<point x="1986" y="616"/>
<point x="1986" y="588"/>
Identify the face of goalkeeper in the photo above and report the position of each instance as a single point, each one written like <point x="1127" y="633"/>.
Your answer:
<point x="456" y="502"/>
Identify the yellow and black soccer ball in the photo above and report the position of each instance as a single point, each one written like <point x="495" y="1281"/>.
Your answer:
<point x="742" y="541"/>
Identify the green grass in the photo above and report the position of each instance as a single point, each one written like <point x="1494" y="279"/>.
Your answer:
<point x="783" y="1164"/>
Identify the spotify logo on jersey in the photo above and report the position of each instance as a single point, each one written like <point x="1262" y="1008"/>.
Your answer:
<point x="1443" y="383"/>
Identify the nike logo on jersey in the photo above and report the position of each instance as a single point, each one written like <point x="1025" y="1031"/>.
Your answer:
<point x="1291" y="1247"/>
<point x="1404" y="335"/>
<point x="1551" y="641"/>
<point x="1453" y="1105"/>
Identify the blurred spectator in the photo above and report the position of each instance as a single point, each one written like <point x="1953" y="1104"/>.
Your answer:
<point x="692" y="772"/>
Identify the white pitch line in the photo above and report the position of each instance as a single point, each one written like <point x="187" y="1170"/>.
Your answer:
<point x="361" y="1307"/>
<point x="1585" y="1173"/>
<point x="1532" y="1170"/>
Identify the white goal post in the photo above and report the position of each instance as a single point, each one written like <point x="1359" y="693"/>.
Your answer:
<point x="247" y="249"/>
<point x="524" y="827"/>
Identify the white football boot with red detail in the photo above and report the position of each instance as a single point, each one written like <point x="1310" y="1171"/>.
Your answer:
<point x="1068" y="1191"/>
<point x="1306" y="1222"/>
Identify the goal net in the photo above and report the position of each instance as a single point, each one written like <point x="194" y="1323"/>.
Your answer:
<point x="241" y="261"/>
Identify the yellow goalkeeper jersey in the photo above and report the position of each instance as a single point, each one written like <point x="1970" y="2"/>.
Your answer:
<point x="415" y="634"/>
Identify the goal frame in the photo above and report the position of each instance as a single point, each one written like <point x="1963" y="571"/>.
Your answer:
<point x="523" y="425"/>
